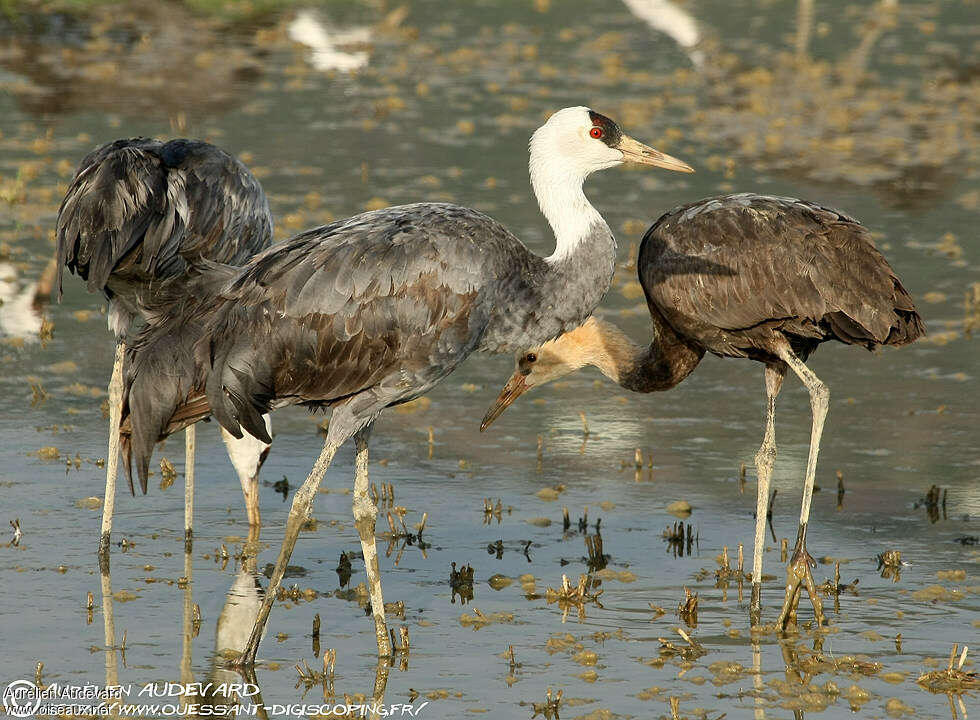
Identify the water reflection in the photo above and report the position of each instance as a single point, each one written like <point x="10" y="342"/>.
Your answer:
<point x="238" y="615"/>
<point x="109" y="628"/>
<point x="461" y="583"/>
<point x="189" y="628"/>
<point x="242" y="604"/>
<point x="223" y="687"/>
<point x="680" y="539"/>
<point x="933" y="502"/>
<point x="344" y="570"/>
<point x="759" y="711"/>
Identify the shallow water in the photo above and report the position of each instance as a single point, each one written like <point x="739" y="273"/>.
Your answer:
<point x="442" y="111"/>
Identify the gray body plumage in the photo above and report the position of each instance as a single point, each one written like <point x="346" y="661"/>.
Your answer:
<point x="139" y="211"/>
<point x="731" y="274"/>
<point x="365" y="313"/>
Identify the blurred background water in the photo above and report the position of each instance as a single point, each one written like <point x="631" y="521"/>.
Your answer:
<point x="344" y="106"/>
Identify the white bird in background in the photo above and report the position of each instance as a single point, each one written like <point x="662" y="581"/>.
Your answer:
<point x="18" y="316"/>
<point x="309" y="30"/>
<point x="672" y="20"/>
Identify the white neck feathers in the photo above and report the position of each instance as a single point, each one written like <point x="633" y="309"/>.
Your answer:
<point x="563" y="203"/>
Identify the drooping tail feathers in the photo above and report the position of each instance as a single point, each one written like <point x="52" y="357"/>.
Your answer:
<point x="882" y="316"/>
<point x="240" y="384"/>
<point x="908" y="326"/>
<point x="165" y="370"/>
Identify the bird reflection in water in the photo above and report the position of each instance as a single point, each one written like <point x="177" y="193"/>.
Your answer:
<point x="242" y="603"/>
<point x="235" y="621"/>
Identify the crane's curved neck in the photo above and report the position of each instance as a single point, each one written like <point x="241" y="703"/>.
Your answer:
<point x="569" y="284"/>
<point x="557" y="186"/>
<point x="660" y="366"/>
<point x="541" y="298"/>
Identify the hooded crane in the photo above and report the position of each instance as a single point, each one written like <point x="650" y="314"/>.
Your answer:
<point x="138" y="212"/>
<point x="745" y="276"/>
<point x="375" y="310"/>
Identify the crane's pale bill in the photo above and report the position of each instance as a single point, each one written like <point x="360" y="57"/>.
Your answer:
<point x="636" y="152"/>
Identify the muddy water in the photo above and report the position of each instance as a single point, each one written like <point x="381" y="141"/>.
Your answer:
<point x="865" y="109"/>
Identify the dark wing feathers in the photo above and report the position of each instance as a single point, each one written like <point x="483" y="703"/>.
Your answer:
<point x="229" y="212"/>
<point x="140" y="210"/>
<point x="107" y="208"/>
<point x="727" y="271"/>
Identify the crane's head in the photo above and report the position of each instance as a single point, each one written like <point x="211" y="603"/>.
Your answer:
<point x="550" y="361"/>
<point x="577" y="142"/>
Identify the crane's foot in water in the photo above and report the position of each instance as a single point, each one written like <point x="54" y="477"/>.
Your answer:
<point x="755" y="607"/>
<point x="244" y="661"/>
<point x="104" y="554"/>
<point x="798" y="577"/>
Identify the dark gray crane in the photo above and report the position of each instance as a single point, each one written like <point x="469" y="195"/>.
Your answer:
<point x="137" y="214"/>
<point x="744" y="276"/>
<point x="375" y="310"/>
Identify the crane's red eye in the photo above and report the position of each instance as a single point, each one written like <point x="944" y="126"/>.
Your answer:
<point x="596" y="132"/>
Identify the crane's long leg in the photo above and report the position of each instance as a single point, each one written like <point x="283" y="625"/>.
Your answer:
<point x="365" y="514"/>
<point x="764" y="461"/>
<point x="798" y="572"/>
<point x="190" y="442"/>
<point x="299" y="513"/>
<point x="112" y="459"/>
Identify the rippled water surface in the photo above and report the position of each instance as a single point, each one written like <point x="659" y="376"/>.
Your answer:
<point x="867" y="107"/>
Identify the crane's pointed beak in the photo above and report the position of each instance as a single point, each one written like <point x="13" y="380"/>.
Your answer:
<point x="514" y="388"/>
<point x="636" y="152"/>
